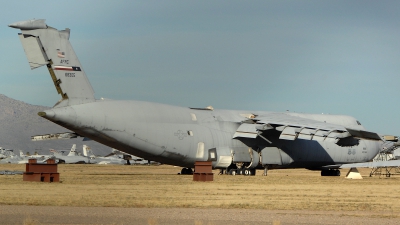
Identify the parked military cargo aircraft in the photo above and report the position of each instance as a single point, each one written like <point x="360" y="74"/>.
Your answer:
<point x="238" y="141"/>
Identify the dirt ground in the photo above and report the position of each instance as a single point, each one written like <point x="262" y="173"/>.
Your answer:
<point x="91" y="194"/>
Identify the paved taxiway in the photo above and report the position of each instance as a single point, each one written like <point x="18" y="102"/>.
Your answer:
<point x="11" y="214"/>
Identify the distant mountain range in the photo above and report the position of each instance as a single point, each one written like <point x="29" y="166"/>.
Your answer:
<point x="19" y="121"/>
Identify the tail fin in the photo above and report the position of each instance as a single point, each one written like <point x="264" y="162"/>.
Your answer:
<point x="21" y="153"/>
<point x="72" y="152"/>
<point x="84" y="150"/>
<point x="87" y="151"/>
<point x="45" y="45"/>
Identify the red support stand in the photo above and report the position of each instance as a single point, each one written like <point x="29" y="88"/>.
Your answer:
<point x="41" y="172"/>
<point x="203" y="171"/>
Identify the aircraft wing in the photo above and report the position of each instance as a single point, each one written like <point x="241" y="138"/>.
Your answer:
<point x="66" y="135"/>
<point x="389" y="163"/>
<point x="292" y="128"/>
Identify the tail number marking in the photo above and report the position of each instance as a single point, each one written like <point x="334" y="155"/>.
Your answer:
<point x="64" y="61"/>
<point x="69" y="74"/>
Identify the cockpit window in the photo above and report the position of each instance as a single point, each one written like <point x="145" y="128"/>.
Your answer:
<point x="358" y="122"/>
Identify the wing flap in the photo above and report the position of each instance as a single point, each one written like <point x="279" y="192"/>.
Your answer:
<point x="306" y="134"/>
<point x="246" y="130"/>
<point x="293" y="127"/>
<point x="289" y="133"/>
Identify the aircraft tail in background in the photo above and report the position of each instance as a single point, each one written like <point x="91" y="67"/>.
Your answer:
<point x="72" y="152"/>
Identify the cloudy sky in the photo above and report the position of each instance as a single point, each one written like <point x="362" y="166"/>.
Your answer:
<point x="332" y="57"/>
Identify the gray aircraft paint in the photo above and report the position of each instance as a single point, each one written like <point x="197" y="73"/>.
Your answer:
<point x="179" y="135"/>
<point x="72" y="158"/>
<point x="112" y="159"/>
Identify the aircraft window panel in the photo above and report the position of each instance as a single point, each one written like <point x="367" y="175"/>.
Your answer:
<point x="194" y="118"/>
<point x="190" y="133"/>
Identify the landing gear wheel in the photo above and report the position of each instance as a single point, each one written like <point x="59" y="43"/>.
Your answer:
<point x="249" y="172"/>
<point x="331" y="173"/>
<point x="252" y="172"/>
<point x="186" y="171"/>
<point x="232" y="172"/>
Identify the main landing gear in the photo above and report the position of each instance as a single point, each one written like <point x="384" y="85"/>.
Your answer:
<point x="186" y="171"/>
<point x="242" y="171"/>
<point x="331" y="172"/>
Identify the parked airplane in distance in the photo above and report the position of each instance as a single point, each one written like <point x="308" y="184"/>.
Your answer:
<point x="12" y="158"/>
<point x="8" y="156"/>
<point x="40" y="158"/>
<point x="72" y="158"/>
<point x="110" y="159"/>
<point x="238" y="141"/>
<point x="4" y="153"/>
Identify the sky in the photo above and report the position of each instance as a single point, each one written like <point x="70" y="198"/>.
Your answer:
<point x="331" y="57"/>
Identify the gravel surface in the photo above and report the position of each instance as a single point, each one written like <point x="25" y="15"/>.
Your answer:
<point x="33" y="215"/>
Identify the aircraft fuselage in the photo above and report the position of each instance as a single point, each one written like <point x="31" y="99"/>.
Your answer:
<point x="180" y="136"/>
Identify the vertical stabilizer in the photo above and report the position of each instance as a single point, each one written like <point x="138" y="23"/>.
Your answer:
<point x="72" y="152"/>
<point x="44" y="45"/>
<point x="84" y="150"/>
<point x="87" y="151"/>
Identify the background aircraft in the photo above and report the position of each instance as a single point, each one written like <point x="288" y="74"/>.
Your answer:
<point x="109" y="159"/>
<point x="4" y="153"/>
<point x="72" y="158"/>
<point x="238" y="141"/>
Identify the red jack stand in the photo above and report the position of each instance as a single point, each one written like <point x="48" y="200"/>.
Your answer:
<point x="41" y="172"/>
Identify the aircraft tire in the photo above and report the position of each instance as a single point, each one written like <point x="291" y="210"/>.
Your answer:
<point x="186" y="171"/>
<point x="330" y="173"/>
<point x="247" y="172"/>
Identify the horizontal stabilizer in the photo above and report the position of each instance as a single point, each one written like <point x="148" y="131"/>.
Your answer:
<point x="66" y="135"/>
<point x="29" y="24"/>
